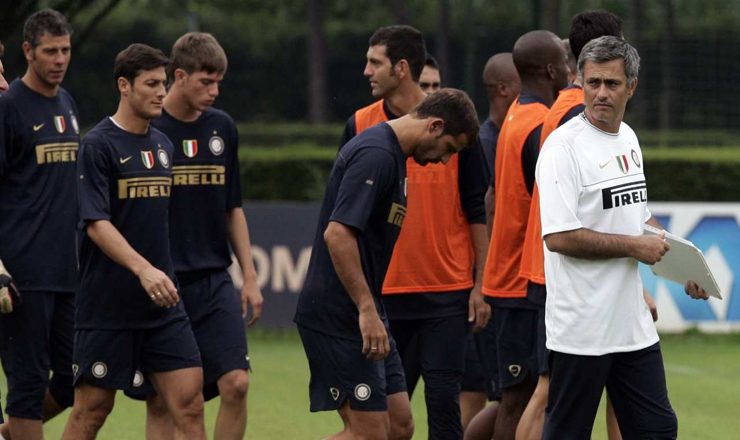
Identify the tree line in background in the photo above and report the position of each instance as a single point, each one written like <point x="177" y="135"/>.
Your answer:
<point x="303" y="59"/>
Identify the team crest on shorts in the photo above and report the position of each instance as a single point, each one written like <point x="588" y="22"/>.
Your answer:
<point x="99" y="369"/>
<point x="216" y="145"/>
<point x="362" y="392"/>
<point x="515" y="370"/>
<point x="138" y="379"/>
<point x="164" y="159"/>
<point x="334" y="393"/>
<point x="75" y="369"/>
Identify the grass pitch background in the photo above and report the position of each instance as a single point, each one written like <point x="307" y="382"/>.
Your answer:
<point x="703" y="381"/>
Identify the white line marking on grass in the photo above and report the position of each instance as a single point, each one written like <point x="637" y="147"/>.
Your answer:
<point x="682" y="369"/>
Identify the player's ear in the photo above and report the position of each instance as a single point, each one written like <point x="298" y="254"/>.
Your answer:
<point x="402" y="68"/>
<point x="631" y="88"/>
<point x="180" y="74"/>
<point x="27" y="51"/>
<point x="124" y="86"/>
<point x="436" y="126"/>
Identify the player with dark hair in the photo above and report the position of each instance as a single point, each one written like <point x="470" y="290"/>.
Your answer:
<point x="130" y="322"/>
<point x="39" y="138"/>
<point x="585" y="25"/>
<point x="395" y="59"/>
<point x="540" y="60"/>
<point x="430" y="79"/>
<point x="443" y="240"/>
<point x="355" y="367"/>
<point x="205" y="217"/>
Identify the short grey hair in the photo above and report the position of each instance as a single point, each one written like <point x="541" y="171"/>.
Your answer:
<point x="608" y="48"/>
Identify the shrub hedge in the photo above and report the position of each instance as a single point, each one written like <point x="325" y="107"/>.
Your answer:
<point x="686" y="174"/>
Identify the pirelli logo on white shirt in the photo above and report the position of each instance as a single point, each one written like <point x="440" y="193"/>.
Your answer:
<point x="624" y="194"/>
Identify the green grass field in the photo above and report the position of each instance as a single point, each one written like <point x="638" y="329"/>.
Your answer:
<point x="703" y="380"/>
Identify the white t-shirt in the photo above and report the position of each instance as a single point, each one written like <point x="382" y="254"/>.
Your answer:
<point x="592" y="179"/>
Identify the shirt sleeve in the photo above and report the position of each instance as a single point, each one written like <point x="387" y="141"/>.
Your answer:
<point x="472" y="184"/>
<point x="7" y="134"/>
<point x="368" y="177"/>
<point x="93" y="173"/>
<point x="233" y="180"/>
<point x="350" y="131"/>
<point x="530" y="152"/>
<point x="559" y="185"/>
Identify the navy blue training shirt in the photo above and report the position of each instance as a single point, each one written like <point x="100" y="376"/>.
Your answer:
<point x="366" y="191"/>
<point x="124" y="178"/>
<point x="488" y="137"/>
<point x="39" y="138"/>
<point x="205" y="179"/>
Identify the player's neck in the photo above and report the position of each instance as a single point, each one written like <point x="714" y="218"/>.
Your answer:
<point x="404" y="98"/>
<point x="407" y="129"/>
<point x="177" y="106"/>
<point x="129" y="121"/>
<point x="540" y="89"/>
<point x="497" y="111"/>
<point x="33" y="82"/>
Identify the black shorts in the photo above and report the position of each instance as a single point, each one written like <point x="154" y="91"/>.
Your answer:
<point x="520" y="344"/>
<point x="120" y="359"/>
<point x="635" y="382"/>
<point x="339" y="371"/>
<point x="474" y="375"/>
<point x="36" y="339"/>
<point x="485" y="342"/>
<point x="214" y="307"/>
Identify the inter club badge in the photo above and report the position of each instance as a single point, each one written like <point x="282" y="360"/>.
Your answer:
<point x="163" y="158"/>
<point x="216" y="145"/>
<point x="148" y="158"/>
<point x="59" y="123"/>
<point x="75" y="126"/>
<point x="190" y="147"/>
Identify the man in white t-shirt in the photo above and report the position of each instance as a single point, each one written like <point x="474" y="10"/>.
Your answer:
<point x="593" y="208"/>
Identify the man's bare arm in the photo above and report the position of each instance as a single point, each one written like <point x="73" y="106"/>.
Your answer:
<point x="157" y="284"/>
<point x="341" y="240"/>
<point x="588" y="244"/>
<point x="479" y="312"/>
<point x="490" y="201"/>
<point x="240" y="243"/>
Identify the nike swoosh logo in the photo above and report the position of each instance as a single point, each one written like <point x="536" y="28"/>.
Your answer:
<point x="602" y="165"/>
<point x="37" y="127"/>
<point x="123" y="160"/>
